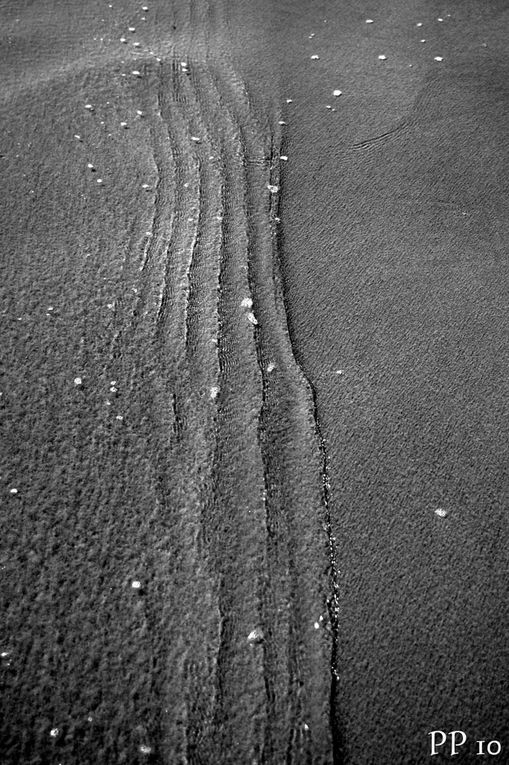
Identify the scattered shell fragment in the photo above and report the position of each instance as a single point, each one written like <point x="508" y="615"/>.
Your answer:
<point x="439" y="19"/>
<point x="140" y="113"/>
<point x="145" y="186"/>
<point x="136" y="584"/>
<point x="419" y="24"/>
<point x="272" y="189"/>
<point x="89" y="107"/>
<point x="123" y="124"/>
<point x="90" y="166"/>
<point x="13" y="491"/>
<point x="422" y="41"/>
<point x="144" y="749"/>
<point x="136" y="73"/>
<point x="136" y="45"/>
<point x="54" y="732"/>
<point x="314" y="57"/>
<point x="214" y="391"/>
<point x="196" y="139"/>
<point x="382" y="57"/>
<point x="78" y="381"/>
<point x="336" y="93"/>
<point x="369" y="21"/>
<point x="438" y="58"/>
<point x="282" y="122"/>
<point x="311" y="35"/>
<point x="284" y="157"/>
<point x="246" y="302"/>
<point x="316" y="625"/>
<point x="441" y="512"/>
<point x="252" y="318"/>
<point x="144" y="8"/>
<point x="123" y="40"/>
<point x="255" y="636"/>
<point x="132" y="29"/>
<point x="289" y="100"/>
<point x="270" y="366"/>
<point x="78" y="137"/>
<point x="100" y="181"/>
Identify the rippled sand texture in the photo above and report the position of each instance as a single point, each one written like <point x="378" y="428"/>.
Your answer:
<point x="164" y="495"/>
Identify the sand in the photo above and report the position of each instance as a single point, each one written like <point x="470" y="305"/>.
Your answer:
<point x="255" y="483"/>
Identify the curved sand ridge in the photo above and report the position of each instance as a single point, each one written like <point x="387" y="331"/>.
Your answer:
<point x="173" y="456"/>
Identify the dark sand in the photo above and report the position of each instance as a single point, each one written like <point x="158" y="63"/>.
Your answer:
<point x="273" y="466"/>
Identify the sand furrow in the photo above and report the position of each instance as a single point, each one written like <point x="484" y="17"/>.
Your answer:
<point x="291" y="473"/>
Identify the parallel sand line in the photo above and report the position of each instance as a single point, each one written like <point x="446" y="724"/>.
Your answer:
<point x="288" y="493"/>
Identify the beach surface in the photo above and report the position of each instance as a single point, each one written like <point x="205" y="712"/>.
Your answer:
<point x="254" y="381"/>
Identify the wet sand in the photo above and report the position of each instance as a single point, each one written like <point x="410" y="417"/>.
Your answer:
<point x="237" y="388"/>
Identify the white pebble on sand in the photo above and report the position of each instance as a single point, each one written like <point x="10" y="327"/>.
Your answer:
<point x="369" y="21"/>
<point x="246" y="302"/>
<point x="13" y="491"/>
<point x="140" y="113"/>
<point x="284" y="157"/>
<point x="137" y="45"/>
<point x="123" y="124"/>
<point x="252" y="318"/>
<point x="441" y="512"/>
<point x="54" y="732"/>
<point x="270" y="366"/>
<point x="419" y="24"/>
<point x="314" y="57"/>
<point x="89" y="107"/>
<point x="438" y="58"/>
<point x="136" y="584"/>
<point x="78" y="381"/>
<point x="272" y="189"/>
<point x="214" y="392"/>
<point x="255" y="636"/>
<point x="336" y="93"/>
<point x="100" y="181"/>
<point x="136" y="73"/>
<point x="78" y="137"/>
<point x="123" y="40"/>
<point x="289" y="100"/>
<point x="144" y="749"/>
<point x="90" y="166"/>
<point x="382" y="57"/>
<point x="195" y="139"/>
<point x="132" y="29"/>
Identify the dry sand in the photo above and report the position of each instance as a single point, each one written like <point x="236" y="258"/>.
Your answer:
<point x="255" y="408"/>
